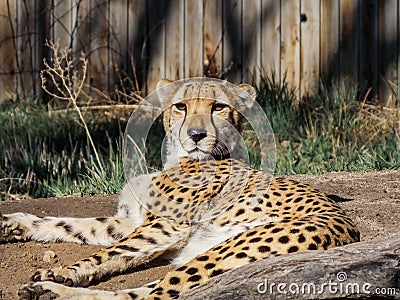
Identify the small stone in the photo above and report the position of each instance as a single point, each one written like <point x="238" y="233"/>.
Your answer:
<point x="48" y="256"/>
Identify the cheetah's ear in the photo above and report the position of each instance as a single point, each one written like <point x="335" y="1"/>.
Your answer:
<point x="248" y="88"/>
<point x="163" y="93"/>
<point x="163" y="82"/>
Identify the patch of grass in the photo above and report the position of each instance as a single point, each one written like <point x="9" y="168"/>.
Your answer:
<point x="332" y="131"/>
<point x="45" y="151"/>
<point x="94" y="181"/>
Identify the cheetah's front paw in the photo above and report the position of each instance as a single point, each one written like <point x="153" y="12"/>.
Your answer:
<point x="47" y="290"/>
<point x="40" y="290"/>
<point x="65" y="276"/>
<point x="11" y="229"/>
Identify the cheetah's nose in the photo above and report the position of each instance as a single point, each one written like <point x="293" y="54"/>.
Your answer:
<point x="197" y="134"/>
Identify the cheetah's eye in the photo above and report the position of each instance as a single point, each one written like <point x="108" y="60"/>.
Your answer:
<point x="180" y="106"/>
<point x="218" y="107"/>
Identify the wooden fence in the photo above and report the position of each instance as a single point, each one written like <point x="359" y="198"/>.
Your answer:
<point x="304" y="40"/>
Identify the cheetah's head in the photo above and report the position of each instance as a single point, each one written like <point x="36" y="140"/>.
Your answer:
<point x="201" y="118"/>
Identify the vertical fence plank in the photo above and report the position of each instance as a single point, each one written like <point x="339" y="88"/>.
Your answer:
<point x="137" y="35"/>
<point x="26" y="38"/>
<point x="329" y="41"/>
<point x="118" y="42"/>
<point x="290" y="43"/>
<point x="174" y="32"/>
<point x="99" y="36"/>
<point x="251" y="40"/>
<point x="212" y="37"/>
<point x="80" y="19"/>
<point x="118" y="47"/>
<point x="388" y="51"/>
<point x="368" y="36"/>
<point x="8" y="63"/>
<point x="310" y="39"/>
<point x="156" y="45"/>
<point x="194" y="63"/>
<point x="80" y="27"/>
<point x="62" y="23"/>
<point x="349" y="41"/>
<point x="42" y="25"/>
<point x="271" y="38"/>
<point x="233" y="39"/>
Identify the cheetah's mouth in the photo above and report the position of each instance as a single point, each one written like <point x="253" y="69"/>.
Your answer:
<point x="210" y="147"/>
<point x="219" y="151"/>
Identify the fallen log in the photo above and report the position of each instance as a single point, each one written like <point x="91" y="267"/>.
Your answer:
<point x="365" y="270"/>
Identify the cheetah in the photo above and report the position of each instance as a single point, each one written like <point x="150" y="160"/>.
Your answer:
<point x="208" y="211"/>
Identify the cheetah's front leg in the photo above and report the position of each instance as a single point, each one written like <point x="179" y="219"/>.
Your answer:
<point x="94" y="231"/>
<point x="143" y="245"/>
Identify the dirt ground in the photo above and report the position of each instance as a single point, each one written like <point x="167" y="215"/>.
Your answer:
<point x="372" y="199"/>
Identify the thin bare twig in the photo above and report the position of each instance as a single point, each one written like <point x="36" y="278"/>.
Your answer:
<point x="68" y="82"/>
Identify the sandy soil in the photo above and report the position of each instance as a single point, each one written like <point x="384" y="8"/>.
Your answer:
<point x="372" y="199"/>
